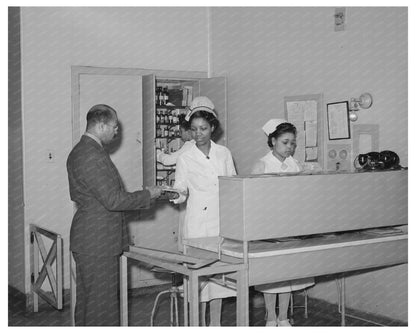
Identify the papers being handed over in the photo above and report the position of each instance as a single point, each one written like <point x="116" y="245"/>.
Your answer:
<point x="170" y="193"/>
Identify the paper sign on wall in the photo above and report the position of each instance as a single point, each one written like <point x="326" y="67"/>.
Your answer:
<point x="304" y="113"/>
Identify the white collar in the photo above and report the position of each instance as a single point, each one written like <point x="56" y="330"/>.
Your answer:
<point x="211" y="151"/>
<point x="286" y="160"/>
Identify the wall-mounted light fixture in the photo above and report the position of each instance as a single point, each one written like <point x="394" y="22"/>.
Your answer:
<point x="363" y="102"/>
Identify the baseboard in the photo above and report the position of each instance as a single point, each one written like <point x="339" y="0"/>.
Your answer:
<point x="366" y="316"/>
<point x="24" y="302"/>
<point x="19" y="300"/>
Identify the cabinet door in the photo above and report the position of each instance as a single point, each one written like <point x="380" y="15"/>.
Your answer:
<point x="122" y="92"/>
<point x="157" y="227"/>
<point x="216" y="90"/>
<point x="149" y="130"/>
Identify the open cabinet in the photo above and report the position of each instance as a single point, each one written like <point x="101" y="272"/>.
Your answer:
<point x="160" y="114"/>
<point x="132" y="93"/>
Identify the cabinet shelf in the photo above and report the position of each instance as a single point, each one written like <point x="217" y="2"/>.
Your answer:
<point x="170" y="107"/>
<point x="169" y="138"/>
<point x="170" y="125"/>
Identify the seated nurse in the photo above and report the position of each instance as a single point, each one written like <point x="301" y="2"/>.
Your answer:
<point x="281" y="138"/>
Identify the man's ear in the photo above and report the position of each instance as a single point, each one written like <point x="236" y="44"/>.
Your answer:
<point x="100" y="126"/>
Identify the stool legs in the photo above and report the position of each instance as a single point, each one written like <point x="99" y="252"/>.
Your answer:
<point x="305" y="294"/>
<point x="291" y="319"/>
<point x="202" y="313"/>
<point x="155" y="305"/>
<point x="171" y="308"/>
<point x="305" y="314"/>
<point x="176" y="309"/>
<point x="174" y="313"/>
<point x="291" y="304"/>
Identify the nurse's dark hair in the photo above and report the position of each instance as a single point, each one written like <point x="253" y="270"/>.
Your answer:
<point x="100" y="113"/>
<point x="280" y="130"/>
<point x="186" y="125"/>
<point x="208" y="116"/>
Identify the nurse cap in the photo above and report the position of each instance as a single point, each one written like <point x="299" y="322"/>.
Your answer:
<point x="271" y="125"/>
<point x="200" y="103"/>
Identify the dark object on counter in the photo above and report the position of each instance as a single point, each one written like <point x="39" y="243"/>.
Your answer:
<point x="385" y="160"/>
<point x="390" y="159"/>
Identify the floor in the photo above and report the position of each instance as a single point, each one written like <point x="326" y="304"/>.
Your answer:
<point x="320" y="313"/>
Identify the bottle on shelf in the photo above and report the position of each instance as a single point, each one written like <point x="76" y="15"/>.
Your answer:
<point x="172" y="132"/>
<point x="161" y="98"/>
<point x="166" y="95"/>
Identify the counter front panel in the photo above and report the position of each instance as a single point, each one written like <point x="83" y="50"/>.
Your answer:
<point x="274" y="206"/>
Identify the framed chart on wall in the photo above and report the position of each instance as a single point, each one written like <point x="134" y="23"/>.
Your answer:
<point x="338" y="121"/>
<point x="305" y="112"/>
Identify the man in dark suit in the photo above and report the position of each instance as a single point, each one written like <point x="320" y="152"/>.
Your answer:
<point x="98" y="231"/>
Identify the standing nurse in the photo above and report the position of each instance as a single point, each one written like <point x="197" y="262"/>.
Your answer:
<point x="281" y="138"/>
<point x="197" y="172"/>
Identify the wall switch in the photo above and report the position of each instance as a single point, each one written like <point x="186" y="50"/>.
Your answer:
<point x="50" y="156"/>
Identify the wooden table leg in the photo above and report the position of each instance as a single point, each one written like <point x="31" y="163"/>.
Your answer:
<point x="242" y="298"/>
<point x="123" y="292"/>
<point x="193" y="290"/>
<point x="342" y="300"/>
<point x="185" y="301"/>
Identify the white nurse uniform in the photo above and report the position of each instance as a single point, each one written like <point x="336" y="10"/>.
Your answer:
<point x="270" y="164"/>
<point x="198" y="174"/>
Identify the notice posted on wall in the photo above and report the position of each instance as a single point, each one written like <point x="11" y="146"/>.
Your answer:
<point x="303" y="114"/>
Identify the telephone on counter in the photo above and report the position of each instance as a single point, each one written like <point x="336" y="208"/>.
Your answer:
<point x="385" y="160"/>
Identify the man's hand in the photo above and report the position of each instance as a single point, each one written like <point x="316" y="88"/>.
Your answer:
<point x="155" y="191"/>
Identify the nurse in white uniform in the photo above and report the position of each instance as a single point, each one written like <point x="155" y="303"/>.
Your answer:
<point x="282" y="141"/>
<point x="197" y="172"/>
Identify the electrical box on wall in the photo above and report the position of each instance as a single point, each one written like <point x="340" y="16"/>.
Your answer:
<point x="338" y="157"/>
<point x="339" y="17"/>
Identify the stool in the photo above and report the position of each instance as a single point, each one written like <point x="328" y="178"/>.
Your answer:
<point x="292" y="306"/>
<point x="174" y="291"/>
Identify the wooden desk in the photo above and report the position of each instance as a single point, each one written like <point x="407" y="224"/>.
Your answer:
<point x="344" y="207"/>
<point x="190" y="267"/>
<point x="323" y="255"/>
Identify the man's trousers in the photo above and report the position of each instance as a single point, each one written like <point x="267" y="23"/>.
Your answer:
<point x="97" y="295"/>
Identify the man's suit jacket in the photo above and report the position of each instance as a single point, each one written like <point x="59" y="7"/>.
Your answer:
<point x="98" y="226"/>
